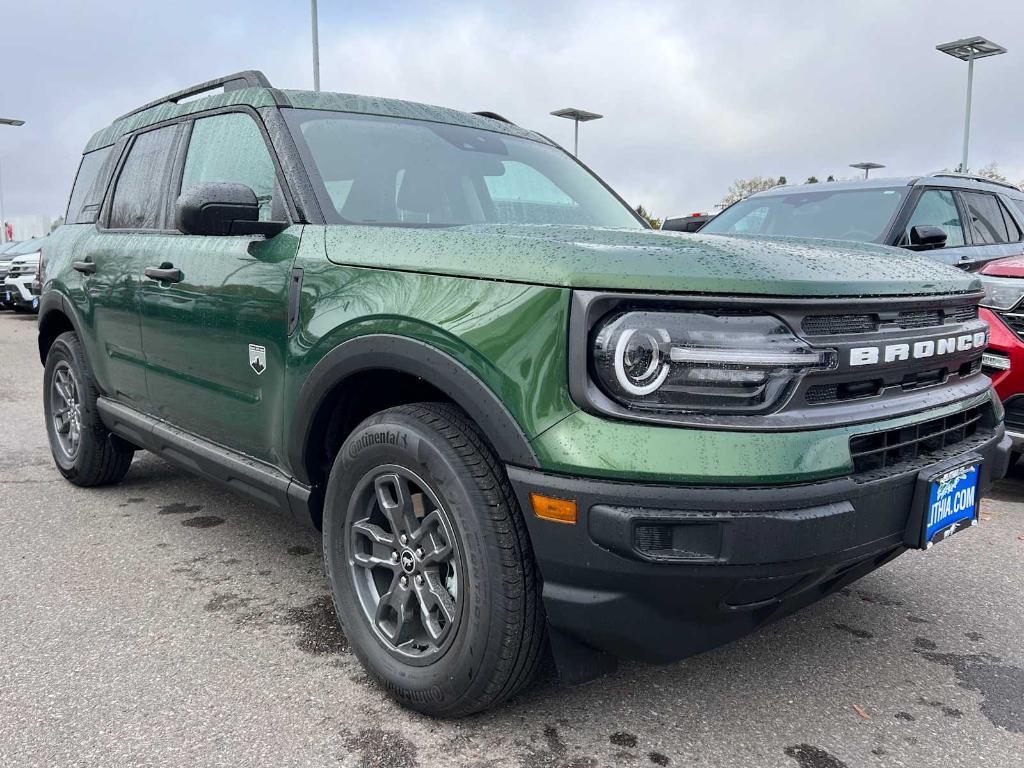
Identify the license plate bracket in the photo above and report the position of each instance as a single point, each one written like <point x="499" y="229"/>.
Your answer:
<point x="946" y="501"/>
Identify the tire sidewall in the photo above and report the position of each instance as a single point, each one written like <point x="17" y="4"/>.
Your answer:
<point x="399" y="439"/>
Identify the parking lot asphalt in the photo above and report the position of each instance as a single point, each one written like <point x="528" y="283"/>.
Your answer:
<point x="167" y="622"/>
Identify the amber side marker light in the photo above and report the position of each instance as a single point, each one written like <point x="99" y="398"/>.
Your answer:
<point x="556" y="510"/>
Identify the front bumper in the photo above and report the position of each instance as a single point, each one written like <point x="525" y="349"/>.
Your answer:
<point x="659" y="572"/>
<point x="20" y="290"/>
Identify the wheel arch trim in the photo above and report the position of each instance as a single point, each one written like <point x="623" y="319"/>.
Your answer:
<point x="402" y="354"/>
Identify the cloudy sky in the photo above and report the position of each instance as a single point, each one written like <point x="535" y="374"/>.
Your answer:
<point x="694" y="94"/>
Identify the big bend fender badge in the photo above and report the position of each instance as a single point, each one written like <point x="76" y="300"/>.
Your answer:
<point x="258" y="358"/>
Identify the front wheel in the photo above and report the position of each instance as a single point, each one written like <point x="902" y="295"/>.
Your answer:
<point x="429" y="562"/>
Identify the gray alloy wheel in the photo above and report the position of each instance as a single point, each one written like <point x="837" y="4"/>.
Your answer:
<point x="405" y="563"/>
<point x="66" y="410"/>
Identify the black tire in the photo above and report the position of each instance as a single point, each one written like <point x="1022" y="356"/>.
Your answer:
<point x="1014" y="459"/>
<point x="494" y="646"/>
<point x="101" y="458"/>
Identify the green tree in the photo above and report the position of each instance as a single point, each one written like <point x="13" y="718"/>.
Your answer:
<point x="651" y="219"/>
<point x="782" y="181"/>
<point x="811" y="180"/>
<point x="830" y="178"/>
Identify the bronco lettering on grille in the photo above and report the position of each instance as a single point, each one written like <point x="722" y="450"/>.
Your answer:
<point x="890" y="353"/>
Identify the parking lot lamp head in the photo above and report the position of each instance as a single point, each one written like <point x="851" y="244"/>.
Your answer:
<point x="969" y="49"/>
<point x="866" y="167"/>
<point x="577" y="116"/>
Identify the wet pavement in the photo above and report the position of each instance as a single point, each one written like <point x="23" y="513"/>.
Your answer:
<point x="168" y="622"/>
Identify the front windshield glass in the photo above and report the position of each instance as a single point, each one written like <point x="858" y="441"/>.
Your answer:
<point x="401" y="172"/>
<point x="842" y="214"/>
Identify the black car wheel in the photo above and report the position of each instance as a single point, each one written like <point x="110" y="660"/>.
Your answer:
<point x="429" y="562"/>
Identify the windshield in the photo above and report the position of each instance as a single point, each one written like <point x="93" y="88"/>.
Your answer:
<point x="843" y="214"/>
<point x="28" y="246"/>
<point x="402" y="172"/>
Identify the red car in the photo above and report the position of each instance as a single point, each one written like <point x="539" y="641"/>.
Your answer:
<point x="1003" y="308"/>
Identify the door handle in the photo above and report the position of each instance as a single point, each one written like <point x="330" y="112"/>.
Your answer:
<point x="165" y="274"/>
<point x="85" y="267"/>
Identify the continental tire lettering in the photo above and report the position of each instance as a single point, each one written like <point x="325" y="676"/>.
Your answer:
<point x="386" y="437"/>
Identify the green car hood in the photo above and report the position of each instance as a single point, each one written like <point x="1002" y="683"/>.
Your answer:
<point x="647" y="260"/>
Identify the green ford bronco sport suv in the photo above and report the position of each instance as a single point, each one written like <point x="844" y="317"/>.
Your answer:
<point x="524" y="422"/>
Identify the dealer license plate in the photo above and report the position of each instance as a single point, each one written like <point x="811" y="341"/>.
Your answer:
<point x="952" y="503"/>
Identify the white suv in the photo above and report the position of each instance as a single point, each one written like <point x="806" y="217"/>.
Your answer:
<point x="16" y="291"/>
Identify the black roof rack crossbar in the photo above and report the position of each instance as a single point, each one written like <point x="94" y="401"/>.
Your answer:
<point x="974" y="177"/>
<point x="249" y="78"/>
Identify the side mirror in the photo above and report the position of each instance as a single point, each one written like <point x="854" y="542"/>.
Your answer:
<point x="926" y="237"/>
<point x="221" y="208"/>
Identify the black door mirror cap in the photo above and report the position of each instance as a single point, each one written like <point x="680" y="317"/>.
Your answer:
<point x="221" y="208"/>
<point x="927" y="237"/>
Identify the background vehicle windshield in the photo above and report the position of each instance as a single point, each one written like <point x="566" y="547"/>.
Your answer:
<point x="27" y="246"/>
<point x="401" y="172"/>
<point x="849" y="214"/>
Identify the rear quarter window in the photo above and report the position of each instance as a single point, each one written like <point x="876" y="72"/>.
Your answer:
<point x="90" y="184"/>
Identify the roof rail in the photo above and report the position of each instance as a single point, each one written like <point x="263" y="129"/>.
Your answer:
<point x="973" y="177"/>
<point x="249" y="78"/>
<point x="494" y="116"/>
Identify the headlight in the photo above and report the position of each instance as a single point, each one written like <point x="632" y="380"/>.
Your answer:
<point x="701" y="361"/>
<point x="1002" y="292"/>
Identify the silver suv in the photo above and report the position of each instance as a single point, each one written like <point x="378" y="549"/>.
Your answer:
<point x="962" y="220"/>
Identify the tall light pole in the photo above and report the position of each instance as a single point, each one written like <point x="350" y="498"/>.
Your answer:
<point x="969" y="49"/>
<point x="14" y="122"/>
<point x="866" y="167"/>
<point x="577" y="116"/>
<point x="316" y="47"/>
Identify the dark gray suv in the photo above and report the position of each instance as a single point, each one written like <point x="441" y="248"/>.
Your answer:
<point x="965" y="221"/>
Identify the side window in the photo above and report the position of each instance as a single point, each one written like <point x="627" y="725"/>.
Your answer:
<point x="1011" y="226"/>
<point x="985" y="219"/>
<point x="90" y="183"/>
<point x="230" y="148"/>
<point x="937" y="208"/>
<point x="138" y="197"/>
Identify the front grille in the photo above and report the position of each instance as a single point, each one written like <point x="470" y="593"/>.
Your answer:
<point x="842" y="391"/>
<point x="925" y="441"/>
<point x="831" y="325"/>
<point x="835" y="325"/>
<point x="964" y="314"/>
<point x="1015" y="321"/>
<point x="919" y="318"/>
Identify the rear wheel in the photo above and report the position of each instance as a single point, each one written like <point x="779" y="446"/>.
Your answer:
<point x="429" y="563"/>
<point x="85" y="452"/>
